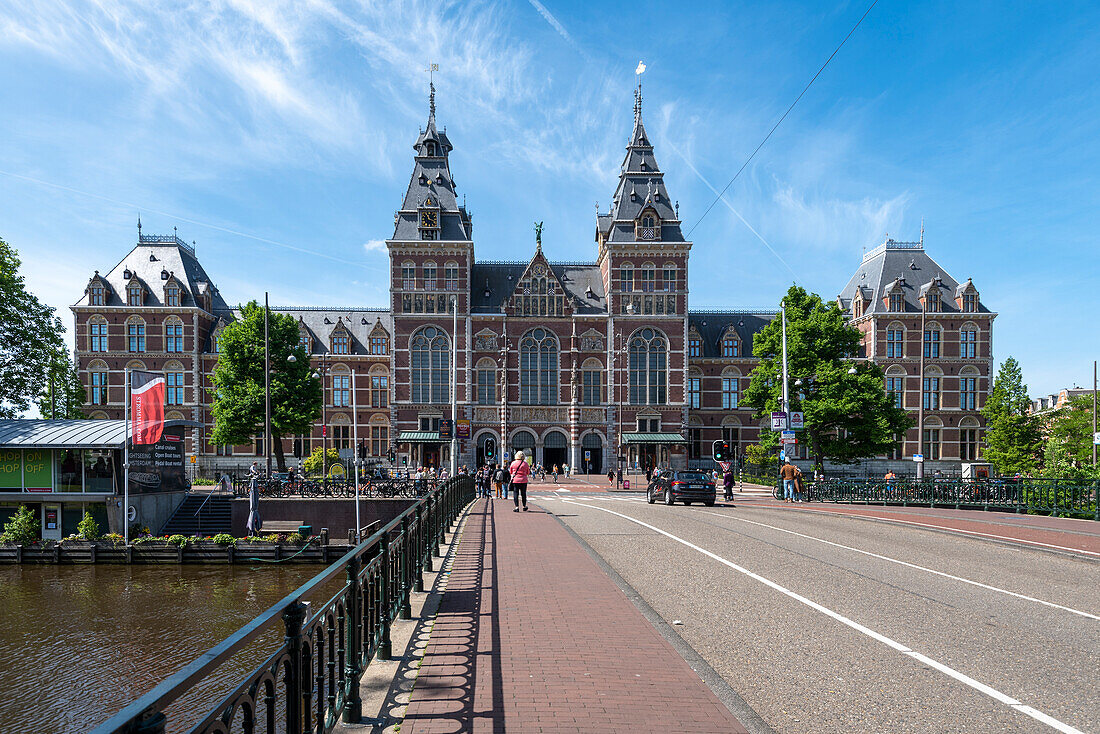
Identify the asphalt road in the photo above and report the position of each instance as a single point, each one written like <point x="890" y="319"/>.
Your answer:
<point x="830" y="623"/>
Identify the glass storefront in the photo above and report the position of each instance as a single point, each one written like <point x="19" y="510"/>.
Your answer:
<point x="69" y="470"/>
<point x="99" y="471"/>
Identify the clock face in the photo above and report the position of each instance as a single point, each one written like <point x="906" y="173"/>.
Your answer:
<point x="429" y="219"/>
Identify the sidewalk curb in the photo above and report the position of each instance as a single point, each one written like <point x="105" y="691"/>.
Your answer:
<point x="729" y="697"/>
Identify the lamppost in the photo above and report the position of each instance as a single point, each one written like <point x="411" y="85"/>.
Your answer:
<point x="454" y="386"/>
<point x="619" y="460"/>
<point x="920" y="403"/>
<point x="320" y="374"/>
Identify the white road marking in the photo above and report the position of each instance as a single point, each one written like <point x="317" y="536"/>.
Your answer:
<point x="961" y="677"/>
<point x="563" y="489"/>
<point x="909" y="565"/>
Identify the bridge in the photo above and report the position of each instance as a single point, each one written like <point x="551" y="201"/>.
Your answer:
<point x="596" y="610"/>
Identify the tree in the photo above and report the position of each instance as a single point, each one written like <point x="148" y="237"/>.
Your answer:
<point x="847" y="416"/>
<point x="238" y="405"/>
<point x="1012" y="436"/>
<point x="30" y="337"/>
<point x="62" y="395"/>
<point x="1068" y="449"/>
<point x="315" y="462"/>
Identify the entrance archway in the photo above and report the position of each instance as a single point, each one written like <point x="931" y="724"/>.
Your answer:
<point x="555" y="447"/>
<point x="524" y="441"/>
<point x="592" y="444"/>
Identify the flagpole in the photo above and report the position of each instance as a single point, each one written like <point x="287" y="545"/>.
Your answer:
<point x="126" y="466"/>
<point x="355" y="449"/>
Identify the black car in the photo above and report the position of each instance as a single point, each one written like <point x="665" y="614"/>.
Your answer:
<point x="682" y="486"/>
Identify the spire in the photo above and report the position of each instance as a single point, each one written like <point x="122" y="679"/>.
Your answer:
<point x="638" y="103"/>
<point x="431" y="100"/>
<point x="139" y="228"/>
<point x="922" y="231"/>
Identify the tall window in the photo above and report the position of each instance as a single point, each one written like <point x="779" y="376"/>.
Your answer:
<point x="450" y="274"/>
<point x="648" y="280"/>
<point x="695" y="391"/>
<point x="98" y="387"/>
<point x="538" y="368"/>
<point x="895" y="343"/>
<point x="970" y="302"/>
<point x="731" y="347"/>
<point x="97" y="336"/>
<point x="135" y="332"/>
<point x="895" y="388"/>
<point x="340" y="342"/>
<point x="341" y="436"/>
<point x="695" y="442"/>
<point x="341" y="390"/>
<point x="173" y="394"/>
<point x="95" y="295"/>
<point x="626" y="277"/>
<point x="378" y="344"/>
<point x="931" y="447"/>
<point x="968" y="344"/>
<point x="897" y="302"/>
<point x="933" y="301"/>
<point x="968" y="393"/>
<point x="430" y="282"/>
<point x="172" y="295"/>
<point x="931" y="393"/>
<point x="379" y="440"/>
<point x="173" y="336"/>
<point x="487" y="386"/>
<point x="648" y="365"/>
<point x="669" y="278"/>
<point x="431" y="377"/>
<point x="379" y="391"/>
<point x="968" y="444"/>
<point x="695" y="346"/>
<point x="133" y="295"/>
<point x="408" y="276"/>
<point x="592" y="383"/>
<point x="729" y="393"/>
<point x="932" y="343"/>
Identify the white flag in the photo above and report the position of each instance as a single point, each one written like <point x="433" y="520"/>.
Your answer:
<point x="640" y="69"/>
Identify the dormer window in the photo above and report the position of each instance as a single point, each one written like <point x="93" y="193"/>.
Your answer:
<point x="306" y="342"/>
<point x="134" y="295"/>
<point x="897" y="302"/>
<point x="970" y="302"/>
<point x="379" y="345"/>
<point x="731" y="347"/>
<point x="423" y="180"/>
<point x="429" y="149"/>
<point x="648" y="227"/>
<point x="340" y="342"/>
<point x="96" y="295"/>
<point x="932" y="301"/>
<point x="695" y="346"/>
<point x="172" y="295"/>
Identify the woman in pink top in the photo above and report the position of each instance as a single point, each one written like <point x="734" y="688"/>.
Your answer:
<point x="520" y="472"/>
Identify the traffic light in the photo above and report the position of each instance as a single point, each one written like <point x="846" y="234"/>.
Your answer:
<point x="362" y="449"/>
<point x="490" y="448"/>
<point x="720" y="450"/>
<point x="392" y="456"/>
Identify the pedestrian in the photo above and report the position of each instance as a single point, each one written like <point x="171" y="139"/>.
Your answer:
<point x="486" y="480"/>
<point x="610" y="476"/>
<point x="555" y="473"/>
<point x="727" y="485"/>
<point x="521" y="472"/>
<point x="565" y="471"/>
<point x="790" y="474"/>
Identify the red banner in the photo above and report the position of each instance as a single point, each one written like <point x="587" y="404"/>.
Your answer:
<point x="146" y="406"/>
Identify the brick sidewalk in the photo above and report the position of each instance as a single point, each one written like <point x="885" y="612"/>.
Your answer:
<point x="532" y="636"/>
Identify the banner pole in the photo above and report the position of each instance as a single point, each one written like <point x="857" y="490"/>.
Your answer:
<point x="126" y="467"/>
<point x="355" y="449"/>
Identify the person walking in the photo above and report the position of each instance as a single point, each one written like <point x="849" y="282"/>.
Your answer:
<point x="610" y="476"/>
<point x="727" y="485"/>
<point x="520" y="472"/>
<point x="555" y="472"/>
<point x="790" y="475"/>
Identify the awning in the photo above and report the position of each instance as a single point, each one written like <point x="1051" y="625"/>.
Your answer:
<point x="653" y="438"/>
<point x="68" y="434"/>
<point x="418" y="437"/>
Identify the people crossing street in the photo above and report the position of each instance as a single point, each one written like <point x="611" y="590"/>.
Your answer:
<point x="520" y="472"/>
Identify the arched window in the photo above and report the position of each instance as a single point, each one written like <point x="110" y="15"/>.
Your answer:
<point x="538" y="368"/>
<point x="486" y="381"/>
<point x="173" y="335"/>
<point x="932" y="340"/>
<point x="670" y="277"/>
<point x="695" y="389"/>
<point x="933" y="433"/>
<point x="895" y="385"/>
<point x="408" y="275"/>
<point x="173" y="383"/>
<point x="135" y="334"/>
<point x="431" y="366"/>
<point x="968" y="388"/>
<point x="379" y="435"/>
<point x="968" y="439"/>
<point x="524" y="441"/>
<point x="895" y="340"/>
<point x="933" y="381"/>
<point x="97" y="383"/>
<point x="648" y="368"/>
<point x="731" y="388"/>
<point x="379" y="386"/>
<point x="341" y="386"/>
<point x="97" y="334"/>
<point x="450" y="276"/>
<point x="430" y="275"/>
<point x="968" y="341"/>
<point x="592" y="382"/>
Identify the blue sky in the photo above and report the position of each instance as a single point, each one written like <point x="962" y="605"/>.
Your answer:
<point x="278" y="136"/>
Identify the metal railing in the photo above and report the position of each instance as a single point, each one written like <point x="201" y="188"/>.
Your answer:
<point x="1063" y="497"/>
<point x="310" y="679"/>
<point x="343" y="487"/>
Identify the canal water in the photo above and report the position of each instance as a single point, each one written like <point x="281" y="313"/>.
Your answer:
<point x="77" y="643"/>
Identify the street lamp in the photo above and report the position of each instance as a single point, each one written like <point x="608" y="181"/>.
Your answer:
<point x="454" y="386"/>
<point x="320" y="374"/>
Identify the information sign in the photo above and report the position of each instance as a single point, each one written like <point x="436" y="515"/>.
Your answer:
<point x="918" y="458"/>
<point x="587" y="455"/>
<point x="788" y="434"/>
<point x="797" y="421"/>
<point x="779" y="421"/>
<point x="463" y="428"/>
<point x="38" y="470"/>
<point x="446" y="430"/>
<point x="1096" y="438"/>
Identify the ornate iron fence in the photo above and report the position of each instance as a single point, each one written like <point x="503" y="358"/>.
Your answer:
<point x="1065" y="497"/>
<point x="311" y="679"/>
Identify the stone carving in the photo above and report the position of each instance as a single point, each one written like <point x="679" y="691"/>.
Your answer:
<point x="538" y="414"/>
<point x="485" y="414"/>
<point x="575" y="386"/>
<point x="591" y="344"/>
<point x="593" y="415"/>
<point x="485" y="343"/>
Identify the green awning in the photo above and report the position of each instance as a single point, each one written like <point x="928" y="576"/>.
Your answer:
<point x="653" y="438"/>
<point x="418" y="437"/>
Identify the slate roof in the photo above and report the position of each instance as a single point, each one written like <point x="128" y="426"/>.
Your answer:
<point x="892" y="262"/>
<point x="352" y="319"/>
<point x="641" y="176"/>
<point x="500" y="279"/>
<point x="154" y="259"/>
<point x="712" y="326"/>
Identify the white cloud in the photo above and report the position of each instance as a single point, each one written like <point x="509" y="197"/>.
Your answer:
<point x="375" y="246"/>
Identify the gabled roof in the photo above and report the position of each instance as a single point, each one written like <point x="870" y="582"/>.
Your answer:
<point x="885" y="267"/>
<point x="713" y="325"/>
<point x="358" y="322"/>
<point x="493" y="283"/>
<point x="152" y="255"/>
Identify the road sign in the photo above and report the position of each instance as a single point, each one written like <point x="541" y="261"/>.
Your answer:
<point x="1096" y="439"/>
<point x="463" y="428"/>
<point x="587" y="455"/>
<point x="788" y="434"/>
<point x="193" y="458"/>
<point x="786" y="441"/>
<point x="918" y="458"/>
<point x="797" y="422"/>
<point x="779" y="421"/>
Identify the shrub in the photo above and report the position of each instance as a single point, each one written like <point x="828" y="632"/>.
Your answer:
<point x="88" y="528"/>
<point x="178" y="540"/>
<point x="295" y="539"/>
<point x="203" y="482"/>
<point x="112" y="538"/>
<point x="224" y="539"/>
<point x="312" y="463"/>
<point x="21" y="528"/>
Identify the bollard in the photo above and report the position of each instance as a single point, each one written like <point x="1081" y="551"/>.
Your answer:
<point x="406" y="569"/>
<point x="385" y="648"/>
<point x="353" y="706"/>
<point x="293" y="618"/>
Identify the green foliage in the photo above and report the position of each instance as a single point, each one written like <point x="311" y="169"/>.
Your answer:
<point x="180" y="541"/>
<point x="295" y="539"/>
<point x="203" y="482"/>
<point x="238" y="401"/>
<point x="30" y="339"/>
<point x="759" y="455"/>
<point x="312" y="463"/>
<point x="1012" y="437"/>
<point x="1068" y="450"/>
<point x="113" y="538"/>
<point x="62" y="395"/>
<point x="848" y="417"/>
<point x="224" y="539"/>
<point x="88" y="528"/>
<point x="22" y="527"/>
